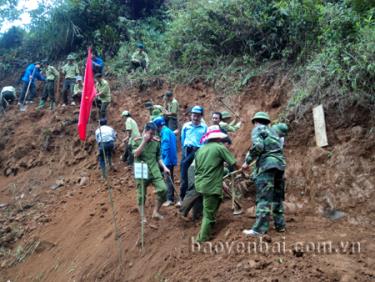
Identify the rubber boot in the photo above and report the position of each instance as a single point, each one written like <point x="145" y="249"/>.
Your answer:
<point x="42" y="103"/>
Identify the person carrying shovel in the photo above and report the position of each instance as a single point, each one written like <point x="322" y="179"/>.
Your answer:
<point x="28" y="92"/>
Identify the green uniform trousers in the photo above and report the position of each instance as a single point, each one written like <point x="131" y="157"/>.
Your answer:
<point x="160" y="189"/>
<point x="211" y="205"/>
<point x="269" y="197"/>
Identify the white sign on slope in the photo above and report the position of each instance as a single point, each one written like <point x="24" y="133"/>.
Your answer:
<point x="320" y="126"/>
<point x="140" y="171"/>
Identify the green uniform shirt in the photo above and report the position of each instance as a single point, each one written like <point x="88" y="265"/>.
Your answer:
<point x="103" y="90"/>
<point x="70" y="70"/>
<point x="230" y="127"/>
<point x="151" y="156"/>
<point x="266" y="149"/>
<point x="140" y="56"/>
<point x="209" y="168"/>
<point x="77" y="90"/>
<point x="51" y="73"/>
<point x="130" y="124"/>
<point x="173" y="107"/>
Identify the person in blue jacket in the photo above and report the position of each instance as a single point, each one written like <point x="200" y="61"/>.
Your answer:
<point x="97" y="64"/>
<point x="31" y="73"/>
<point x="168" y="147"/>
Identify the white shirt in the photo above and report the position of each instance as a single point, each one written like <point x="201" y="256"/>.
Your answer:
<point x="105" y="134"/>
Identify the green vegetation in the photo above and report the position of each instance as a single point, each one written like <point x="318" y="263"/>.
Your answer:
<point x="328" y="44"/>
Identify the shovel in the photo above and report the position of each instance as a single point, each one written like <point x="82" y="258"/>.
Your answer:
<point x="22" y="106"/>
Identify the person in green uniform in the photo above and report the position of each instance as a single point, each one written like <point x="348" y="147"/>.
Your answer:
<point x="77" y="90"/>
<point x="270" y="166"/>
<point x="281" y="130"/>
<point x="132" y="131"/>
<point x="70" y="71"/>
<point x="139" y="59"/>
<point x="209" y="173"/>
<point x="103" y="94"/>
<point x="171" y="110"/>
<point x="147" y="149"/>
<point x="227" y="125"/>
<point x="49" y="87"/>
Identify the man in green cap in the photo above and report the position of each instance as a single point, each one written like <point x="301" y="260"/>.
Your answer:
<point x="171" y="110"/>
<point x="49" y="88"/>
<point x="139" y="59"/>
<point x="70" y="71"/>
<point x="103" y="94"/>
<point x="209" y="173"/>
<point x="132" y="132"/>
<point x="270" y="166"/>
<point x="147" y="149"/>
<point x="226" y="124"/>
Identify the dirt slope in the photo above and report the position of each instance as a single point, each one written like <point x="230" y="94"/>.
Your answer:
<point x="67" y="233"/>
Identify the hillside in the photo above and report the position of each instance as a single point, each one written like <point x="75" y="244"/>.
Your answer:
<point x="67" y="233"/>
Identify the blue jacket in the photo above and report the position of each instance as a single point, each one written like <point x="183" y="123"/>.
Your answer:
<point x="191" y="134"/>
<point x="168" y="147"/>
<point x="29" y="71"/>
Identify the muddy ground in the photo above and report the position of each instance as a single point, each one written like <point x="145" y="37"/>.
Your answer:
<point x="56" y="217"/>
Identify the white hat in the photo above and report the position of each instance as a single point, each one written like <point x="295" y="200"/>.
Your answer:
<point x="213" y="132"/>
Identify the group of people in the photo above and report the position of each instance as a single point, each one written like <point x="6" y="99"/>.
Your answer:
<point x="206" y="149"/>
<point x="72" y="83"/>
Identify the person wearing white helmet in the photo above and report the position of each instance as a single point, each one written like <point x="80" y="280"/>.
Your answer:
<point x="191" y="135"/>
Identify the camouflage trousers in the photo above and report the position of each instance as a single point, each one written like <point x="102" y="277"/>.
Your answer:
<point x="270" y="186"/>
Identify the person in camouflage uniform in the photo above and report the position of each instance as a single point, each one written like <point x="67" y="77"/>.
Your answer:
<point x="270" y="166"/>
<point x="281" y="130"/>
<point x="70" y="71"/>
<point x="49" y="88"/>
<point x="147" y="149"/>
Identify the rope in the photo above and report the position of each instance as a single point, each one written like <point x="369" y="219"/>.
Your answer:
<point x="109" y="189"/>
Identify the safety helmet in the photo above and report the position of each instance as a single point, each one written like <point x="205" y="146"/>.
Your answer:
<point x="159" y="121"/>
<point x="149" y="104"/>
<point x="78" y="78"/>
<point x="103" y="121"/>
<point x="261" y="116"/>
<point x="125" y="114"/>
<point x="225" y="115"/>
<point x="70" y="57"/>
<point x="197" y="110"/>
<point x="168" y="94"/>
<point x="281" y="129"/>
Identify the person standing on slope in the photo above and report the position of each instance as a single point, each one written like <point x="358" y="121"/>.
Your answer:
<point x="270" y="166"/>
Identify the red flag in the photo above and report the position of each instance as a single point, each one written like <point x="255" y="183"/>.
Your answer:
<point x="88" y="95"/>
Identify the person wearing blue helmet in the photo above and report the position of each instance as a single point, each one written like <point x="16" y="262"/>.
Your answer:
<point x="191" y="135"/>
<point x="168" y="155"/>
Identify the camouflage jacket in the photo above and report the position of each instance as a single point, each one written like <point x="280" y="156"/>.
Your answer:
<point x="266" y="149"/>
